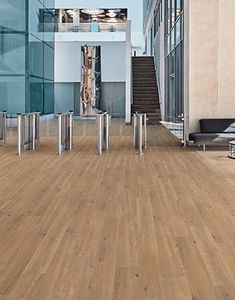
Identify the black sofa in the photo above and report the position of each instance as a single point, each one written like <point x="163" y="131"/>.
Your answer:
<point x="214" y="132"/>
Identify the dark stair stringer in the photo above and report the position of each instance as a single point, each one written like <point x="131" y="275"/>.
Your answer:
<point x="145" y="90"/>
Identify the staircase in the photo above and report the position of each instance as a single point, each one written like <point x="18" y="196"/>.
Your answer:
<point x="145" y="90"/>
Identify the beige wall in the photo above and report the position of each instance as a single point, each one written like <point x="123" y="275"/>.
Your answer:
<point x="211" y="60"/>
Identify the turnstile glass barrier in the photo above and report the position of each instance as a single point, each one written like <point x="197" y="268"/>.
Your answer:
<point x="3" y="126"/>
<point x="28" y="136"/>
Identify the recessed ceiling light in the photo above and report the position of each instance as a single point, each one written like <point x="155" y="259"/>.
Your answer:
<point x="92" y="11"/>
<point x="111" y="14"/>
<point x="70" y="11"/>
<point x="114" y="10"/>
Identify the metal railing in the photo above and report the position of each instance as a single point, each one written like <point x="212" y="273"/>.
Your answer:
<point x="102" y="127"/>
<point x="3" y="127"/>
<point x="81" y="27"/>
<point x="28" y="131"/>
<point x="140" y="132"/>
<point x="65" y="132"/>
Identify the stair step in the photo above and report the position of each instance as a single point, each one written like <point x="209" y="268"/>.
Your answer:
<point x="144" y="84"/>
<point x="146" y="110"/>
<point x="144" y="80"/>
<point x="144" y="74"/>
<point x="155" y="105"/>
<point x="145" y="90"/>
<point x="140" y="89"/>
<point x="143" y="65"/>
<point x="148" y="103"/>
<point x="141" y="72"/>
<point x="143" y="99"/>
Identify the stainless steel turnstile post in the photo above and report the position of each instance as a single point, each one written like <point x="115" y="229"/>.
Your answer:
<point x="65" y="132"/>
<point x="20" y="133"/>
<point x="140" y="132"/>
<point x="28" y="137"/>
<point x="3" y="127"/>
<point x="145" y="132"/>
<point x="102" y="127"/>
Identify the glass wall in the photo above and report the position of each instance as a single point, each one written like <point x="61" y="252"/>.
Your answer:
<point x="146" y="5"/>
<point x="26" y="58"/>
<point x="41" y="57"/>
<point x="13" y="30"/>
<point x="174" y="58"/>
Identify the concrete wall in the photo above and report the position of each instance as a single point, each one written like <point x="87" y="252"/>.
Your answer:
<point x="211" y="63"/>
<point x="226" y="64"/>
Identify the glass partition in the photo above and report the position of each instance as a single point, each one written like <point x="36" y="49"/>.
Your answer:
<point x="26" y="56"/>
<point x="174" y="65"/>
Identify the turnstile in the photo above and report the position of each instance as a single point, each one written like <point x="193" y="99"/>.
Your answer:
<point x="140" y="132"/>
<point x="65" y="132"/>
<point x="28" y="131"/>
<point x="3" y="126"/>
<point x="102" y="127"/>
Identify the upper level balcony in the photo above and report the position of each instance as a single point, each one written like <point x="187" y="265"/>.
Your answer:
<point x="90" y="32"/>
<point x="82" y="27"/>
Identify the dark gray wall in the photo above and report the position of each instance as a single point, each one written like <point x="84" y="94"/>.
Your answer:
<point x="113" y="98"/>
<point x="67" y="97"/>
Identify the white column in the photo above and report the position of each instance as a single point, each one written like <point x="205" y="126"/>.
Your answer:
<point x="76" y="16"/>
<point x="128" y="72"/>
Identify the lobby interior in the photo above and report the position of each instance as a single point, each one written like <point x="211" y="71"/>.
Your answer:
<point x="120" y="225"/>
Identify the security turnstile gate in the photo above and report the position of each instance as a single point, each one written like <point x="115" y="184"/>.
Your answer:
<point x="65" y="132"/>
<point x="28" y="131"/>
<point x="102" y="125"/>
<point x="140" y="132"/>
<point x="3" y="126"/>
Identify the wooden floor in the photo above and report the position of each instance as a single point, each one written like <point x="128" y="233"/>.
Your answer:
<point x="117" y="226"/>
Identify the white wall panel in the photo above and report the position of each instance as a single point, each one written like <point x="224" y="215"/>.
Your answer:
<point x="68" y="61"/>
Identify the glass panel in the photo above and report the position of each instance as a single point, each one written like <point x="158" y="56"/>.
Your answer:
<point x="36" y="57"/>
<point x="36" y="94"/>
<point x="35" y="21"/>
<point x="168" y="44"/>
<point x="172" y="39"/>
<point x="178" y="8"/>
<point x="172" y="13"/>
<point x="12" y="93"/>
<point x="12" y="54"/>
<point x="155" y="25"/>
<point x="169" y="15"/>
<point x="48" y="62"/>
<point x="48" y="97"/>
<point x="13" y="15"/>
<point x="178" y="31"/>
<point x="42" y="56"/>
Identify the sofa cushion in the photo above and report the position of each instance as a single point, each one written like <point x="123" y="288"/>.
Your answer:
<point x="217" y="125"/>
<point x="212" y="138"/>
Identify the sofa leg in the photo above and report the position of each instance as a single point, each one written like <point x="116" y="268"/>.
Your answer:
<point x="204" y="147"/>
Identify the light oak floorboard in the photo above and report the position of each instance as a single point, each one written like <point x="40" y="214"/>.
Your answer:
<point x="118" y="226"/>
